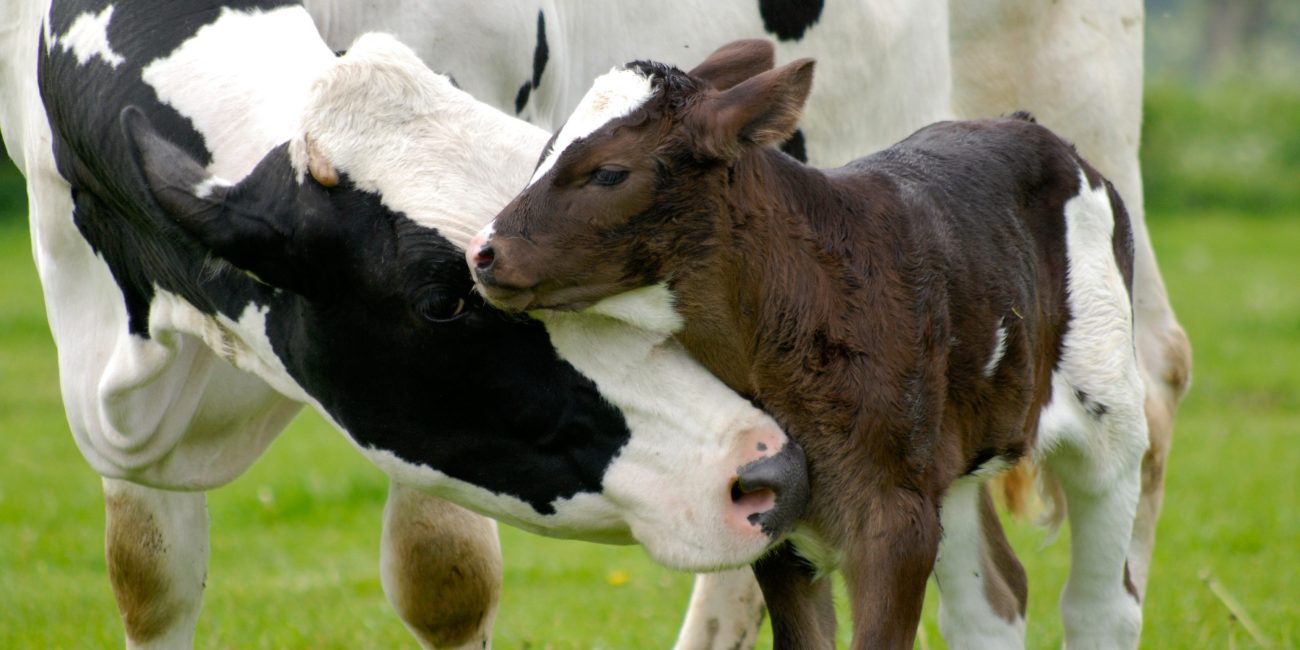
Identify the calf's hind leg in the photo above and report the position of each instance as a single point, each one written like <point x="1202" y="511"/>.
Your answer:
<point x="441" y="569"/>
<point x="1095" y="454"/>
<point x="156" y="546"/>
<point x="982" y="585"/>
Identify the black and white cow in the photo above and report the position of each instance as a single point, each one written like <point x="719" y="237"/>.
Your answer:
<point x="230" y="222"/>
<point x="887" y="67"/>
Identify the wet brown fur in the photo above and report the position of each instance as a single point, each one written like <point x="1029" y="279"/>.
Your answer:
<point x="857" y="305"/>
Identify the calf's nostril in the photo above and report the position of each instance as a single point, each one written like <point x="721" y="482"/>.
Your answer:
<point x="484" y="258"/>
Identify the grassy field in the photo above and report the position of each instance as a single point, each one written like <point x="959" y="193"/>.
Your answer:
<point x="294" y="542"/>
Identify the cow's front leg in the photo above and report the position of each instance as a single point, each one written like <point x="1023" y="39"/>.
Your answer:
<point x="982" y="585"/>
<point x="887" y="561"/>
<point x="156" y="545"/>
<point x="726" y="611"/>
<point x="801" y="605"/>
<point x="441" y="569"/>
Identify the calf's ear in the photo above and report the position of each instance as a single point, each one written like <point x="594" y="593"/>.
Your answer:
<point x="252" y="224"/>
<point x="759" y="111"/>
<point x="735" y="62"/>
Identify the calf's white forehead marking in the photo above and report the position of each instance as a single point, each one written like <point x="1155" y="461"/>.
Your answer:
<point x="613" y="95"/>
<point x="88" y="37"/>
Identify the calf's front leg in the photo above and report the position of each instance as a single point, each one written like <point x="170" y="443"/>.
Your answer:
<point x="887" y="561"/>
<point x="801" y="605"/>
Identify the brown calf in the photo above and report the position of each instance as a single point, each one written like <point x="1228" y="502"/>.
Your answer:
<point x="917" y="319"/>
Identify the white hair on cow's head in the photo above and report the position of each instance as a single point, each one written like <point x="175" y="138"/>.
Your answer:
<point x="396" y="128"/>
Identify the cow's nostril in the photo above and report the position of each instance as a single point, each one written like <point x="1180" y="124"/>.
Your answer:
<point x="758" y="500"/>
<point x="774" y="489"/>
<point x="484" y="258"/>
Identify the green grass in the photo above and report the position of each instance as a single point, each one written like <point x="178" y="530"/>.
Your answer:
<point x="294" y="542"/>
<point x="294" y="559"/>
<point x="1233" y="145"/>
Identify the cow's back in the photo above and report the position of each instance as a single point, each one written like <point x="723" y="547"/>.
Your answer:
<point x="537" y="59"/>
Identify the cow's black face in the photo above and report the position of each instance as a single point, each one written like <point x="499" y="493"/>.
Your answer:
<point x="374" y="316"/>
<point x="324" y="289"/>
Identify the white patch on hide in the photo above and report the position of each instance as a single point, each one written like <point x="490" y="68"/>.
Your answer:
<point x="966" y="617"/>
<point x="261" y="103"/>
<point x="204" y="189"/>
<point x="999" y="349"/>
<point x="687" y="438"/>
<point x="650" y="308"/>
<point x="613" y="95"/>
<point x="428" y="149"/>
<point x="1098" y="359"/>
<point x="88" y="38"/>
<point x="1093" y="432"/>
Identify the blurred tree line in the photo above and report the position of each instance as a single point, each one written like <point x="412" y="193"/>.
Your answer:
<point x="1221" y="123"/>
<point x="1222" y="114"/>
<point x="1208" y="41"/>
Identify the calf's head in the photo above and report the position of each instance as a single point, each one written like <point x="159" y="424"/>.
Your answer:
<point x="593" y="430"/>
<point x="633" y="187"/>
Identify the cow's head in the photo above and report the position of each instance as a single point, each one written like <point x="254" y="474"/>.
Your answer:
<point x="593" y="430"/>
<point x="633" y="186"/>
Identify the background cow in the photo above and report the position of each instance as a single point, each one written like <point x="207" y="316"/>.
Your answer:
<point x="230" y="222"/>
<point x="889" y="67"/>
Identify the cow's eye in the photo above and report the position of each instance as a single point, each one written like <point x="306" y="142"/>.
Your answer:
<point x="440" y="307"/>
<point x="608" y="176"/>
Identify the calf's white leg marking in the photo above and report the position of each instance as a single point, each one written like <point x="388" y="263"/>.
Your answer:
<point x="966" y="617"/>
<point x="1093" y="432"/>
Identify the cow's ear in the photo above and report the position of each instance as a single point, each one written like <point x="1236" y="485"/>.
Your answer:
<point x="759" y="111"/>
<point x="174" y="178"/>
<point x="249" y="224"/>
<point x="735" y="62"/>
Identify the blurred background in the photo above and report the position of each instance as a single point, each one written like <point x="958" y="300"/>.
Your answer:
<point x="294" y="542"/>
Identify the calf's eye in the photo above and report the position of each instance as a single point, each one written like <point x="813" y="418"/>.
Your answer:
<point x="608" y="176"/>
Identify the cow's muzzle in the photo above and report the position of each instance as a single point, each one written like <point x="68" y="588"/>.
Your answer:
<point x="775" y="488"/>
